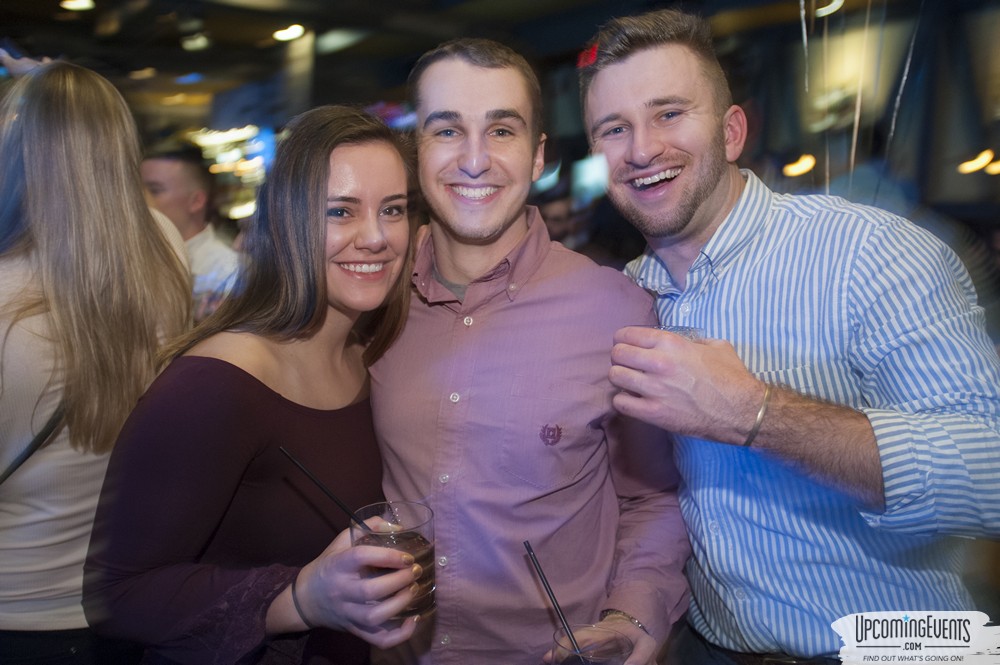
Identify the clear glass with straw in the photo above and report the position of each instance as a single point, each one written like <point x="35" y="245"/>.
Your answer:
<point x="400" y="525"/>
<point x="581" y="645"/>
<point x="596" y="645"/>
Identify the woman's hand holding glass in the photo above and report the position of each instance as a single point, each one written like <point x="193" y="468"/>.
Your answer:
<point x="336" y="590"/>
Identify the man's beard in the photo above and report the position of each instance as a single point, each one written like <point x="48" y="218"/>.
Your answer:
<point x="672" y="221"/>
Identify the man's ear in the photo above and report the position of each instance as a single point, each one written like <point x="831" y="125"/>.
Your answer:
<point x="734" y="127"/>
<point x="197" y="200"/>
<point x="539" y="165"/>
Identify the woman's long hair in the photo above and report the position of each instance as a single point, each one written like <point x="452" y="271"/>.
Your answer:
<point x="71" y="201"/>
<point x="281" y="294"/>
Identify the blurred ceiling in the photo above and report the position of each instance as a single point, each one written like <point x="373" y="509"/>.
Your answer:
<point x="119" y="37"/>
<point x="122" y="36"/>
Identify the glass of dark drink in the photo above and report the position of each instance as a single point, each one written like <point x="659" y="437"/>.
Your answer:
<point x="598" y="645"/>
<point x="406" y="526"/>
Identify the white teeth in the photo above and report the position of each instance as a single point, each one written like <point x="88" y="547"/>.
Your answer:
<point x="474" y="192"/>
<point x="363" y="267"/>
<point x="669" y="174"/>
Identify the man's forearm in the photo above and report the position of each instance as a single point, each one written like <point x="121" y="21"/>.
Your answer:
<point x="832" y="443"/>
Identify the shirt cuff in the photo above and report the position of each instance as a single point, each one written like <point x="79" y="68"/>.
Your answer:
<point x="906" y="468"/>
<point x="656" y="609"/>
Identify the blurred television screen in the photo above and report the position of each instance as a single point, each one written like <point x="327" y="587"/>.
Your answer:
<point x="589" y="180"/>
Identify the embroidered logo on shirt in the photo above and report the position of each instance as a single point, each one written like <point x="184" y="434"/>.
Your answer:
<point x="550" y="434"/>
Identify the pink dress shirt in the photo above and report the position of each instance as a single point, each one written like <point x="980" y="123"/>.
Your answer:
<point x="497" y="411"/>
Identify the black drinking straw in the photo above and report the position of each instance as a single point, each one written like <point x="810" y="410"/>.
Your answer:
<point x="552" y="597"/>
<point x="341" y="504"/>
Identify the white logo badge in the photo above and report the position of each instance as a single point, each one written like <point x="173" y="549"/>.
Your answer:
<point x="919" y="637"/>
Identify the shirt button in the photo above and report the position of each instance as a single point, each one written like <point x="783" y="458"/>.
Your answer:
<point x="442" y="561"/>
<point x="467" y="320"/>
<point x="713" y="527"/>
<point x="444" y="478"/>
<point x="454" y="397"/>
<point x="445" y="640"/>
<point x="740" y="595"/>
<point x="512" y="287"/>
<point x="685" y="309"/>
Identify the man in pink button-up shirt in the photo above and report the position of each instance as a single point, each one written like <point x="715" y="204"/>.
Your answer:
<point x="494" y="406"/>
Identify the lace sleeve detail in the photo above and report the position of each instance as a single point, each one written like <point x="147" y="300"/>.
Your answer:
<point x="233" y="629"/>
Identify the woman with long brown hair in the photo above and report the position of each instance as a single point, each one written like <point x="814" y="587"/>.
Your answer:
<point x="209" y="545"/>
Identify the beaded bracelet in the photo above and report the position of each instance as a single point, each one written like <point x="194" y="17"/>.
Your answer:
<point x="768" y="389"/>
<point x="618" y="613"/>
<point x="298" y="608"/>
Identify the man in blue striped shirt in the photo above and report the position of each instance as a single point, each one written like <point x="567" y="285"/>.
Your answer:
<point x="838" y="432"/>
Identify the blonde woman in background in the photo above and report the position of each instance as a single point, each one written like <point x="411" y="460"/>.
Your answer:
<point x="89" y="284"/>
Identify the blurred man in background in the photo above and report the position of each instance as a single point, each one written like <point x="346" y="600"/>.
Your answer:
<point x="178" y="185"/>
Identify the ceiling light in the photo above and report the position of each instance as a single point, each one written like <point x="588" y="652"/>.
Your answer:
<point x="142" y="74"/>
<point x="208" y="137"/>
<point x="196" y="42"/>
<point x="829" y="9"/>
<point x="293" y="31"/>
<point x="978" y="162"/>
<point x="77" y="5"/>
<point x="803" y="166"/>
<point x="993" y="168"/>
<point x="243" y="210"/>
<point x="337" y="40"/>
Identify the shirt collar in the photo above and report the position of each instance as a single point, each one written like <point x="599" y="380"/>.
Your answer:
<point x="203" y="237"/>
<point x="743" y="223"/>
<point x="507" y="276"/>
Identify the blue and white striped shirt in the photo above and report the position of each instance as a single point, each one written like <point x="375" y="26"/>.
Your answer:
<point x="857" y="306"/>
